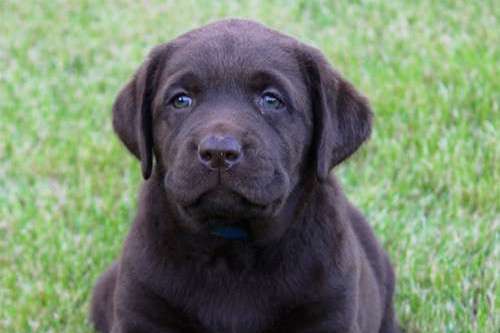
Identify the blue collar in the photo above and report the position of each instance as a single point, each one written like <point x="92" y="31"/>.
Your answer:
<point x="230" y="232"/>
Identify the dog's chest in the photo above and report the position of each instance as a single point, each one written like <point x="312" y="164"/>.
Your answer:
<point x="233" y="303"/>
<point x="232" y="313"/>
<point x="238" y="291"/>
<point x="229" y="305"/>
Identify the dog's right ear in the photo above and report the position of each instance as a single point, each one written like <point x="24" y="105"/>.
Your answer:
<point x="132" y="114"/>
<point x="342" y="116"/>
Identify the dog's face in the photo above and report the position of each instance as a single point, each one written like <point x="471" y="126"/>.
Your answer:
<point x="231" y="123"/>
<point x="236" y="116"/>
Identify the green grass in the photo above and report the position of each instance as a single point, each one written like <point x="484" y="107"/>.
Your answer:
<point x="428" y="180"/>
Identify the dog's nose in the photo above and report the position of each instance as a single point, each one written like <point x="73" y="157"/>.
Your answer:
<point x="219" y="152"/>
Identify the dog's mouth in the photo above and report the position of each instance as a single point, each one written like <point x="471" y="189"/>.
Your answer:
<point x="228" y="195"/>
<point x="228" y="215"/>
<point x="235" y="208"/>
<point x="223" y="204"/>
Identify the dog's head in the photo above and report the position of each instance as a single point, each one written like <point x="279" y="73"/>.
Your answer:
<point x="235" y="116"/>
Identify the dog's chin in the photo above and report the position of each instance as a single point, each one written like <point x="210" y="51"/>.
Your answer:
<point x="227" y="206"/>
<point x="225" y="214"/>
<point x="230" y="210"/>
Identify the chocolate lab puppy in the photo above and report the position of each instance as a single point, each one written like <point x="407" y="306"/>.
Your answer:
<point x="240" y="228"/>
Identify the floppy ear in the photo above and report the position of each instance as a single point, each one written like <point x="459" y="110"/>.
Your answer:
<point x="132" y="114"/>
<point x="342" y="117"/>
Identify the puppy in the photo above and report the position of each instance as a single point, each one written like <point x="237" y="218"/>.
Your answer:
<point x="240" y="228"/>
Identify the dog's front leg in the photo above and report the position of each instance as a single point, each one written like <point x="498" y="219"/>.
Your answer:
<point x="138" y="310"/>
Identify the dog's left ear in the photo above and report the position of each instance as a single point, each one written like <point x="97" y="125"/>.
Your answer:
<point x="132" y="110"/>
<point x="342" y="117"/>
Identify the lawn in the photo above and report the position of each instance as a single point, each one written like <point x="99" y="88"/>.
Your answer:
<point x="428" y="179"/>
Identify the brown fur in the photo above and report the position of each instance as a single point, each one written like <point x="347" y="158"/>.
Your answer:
<point x="312" y="263"/>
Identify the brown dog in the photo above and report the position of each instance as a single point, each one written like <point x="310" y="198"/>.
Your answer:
<point x="240" y="227"/>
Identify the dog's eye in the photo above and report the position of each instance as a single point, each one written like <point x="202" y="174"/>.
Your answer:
<point x="269" y="101"/>
<point x="182" y="101"/>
